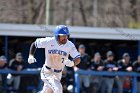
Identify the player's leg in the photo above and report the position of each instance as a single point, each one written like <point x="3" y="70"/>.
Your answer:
<point x="52" y="79"/>
<point x="57" y="87"/>
<point x="45" y="73"/>
<point x="54" y="84"/>
<point x="46" y="89"/>
<point x="57" y="84"/>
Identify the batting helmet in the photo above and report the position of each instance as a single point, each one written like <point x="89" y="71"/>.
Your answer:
<point x="61" y="30"/>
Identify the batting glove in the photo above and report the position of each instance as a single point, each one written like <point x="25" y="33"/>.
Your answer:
<point x="31" y="59"/>
<point x="69" y="63"/>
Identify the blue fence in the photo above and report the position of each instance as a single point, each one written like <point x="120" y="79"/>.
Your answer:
<point x="134" y="76"/>
<point x="24" y="72"/>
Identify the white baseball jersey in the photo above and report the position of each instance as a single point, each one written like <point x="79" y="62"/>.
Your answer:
<point x="55" y="54"/>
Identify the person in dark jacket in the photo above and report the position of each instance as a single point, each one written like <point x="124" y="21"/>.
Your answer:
<point x="3" y="62"/>
<point x="16" y="64"/>
<point x="3" y="65"/>
<point x="123" y="65"/>
<point x="110" y="66"/>
<point x="96" y="65"/>
<point x="136" y="68"/>
<point x="84" y="65"/>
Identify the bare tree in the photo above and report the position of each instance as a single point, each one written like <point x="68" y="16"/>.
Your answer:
<point x="108" y="13"/>
<point x="134" y="10"/>
<point x="82" y="11"/>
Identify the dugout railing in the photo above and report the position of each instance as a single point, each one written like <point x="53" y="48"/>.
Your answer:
<point x="23" y="72"/>
<point x="134" y="76"/>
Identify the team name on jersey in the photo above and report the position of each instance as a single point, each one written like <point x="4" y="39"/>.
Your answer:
<point x="55" y="51"/>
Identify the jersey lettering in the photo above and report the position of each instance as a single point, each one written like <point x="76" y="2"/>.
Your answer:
<point x="55" y="51"/>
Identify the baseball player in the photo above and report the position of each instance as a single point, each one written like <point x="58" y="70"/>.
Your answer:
<point x="57" y="50"/>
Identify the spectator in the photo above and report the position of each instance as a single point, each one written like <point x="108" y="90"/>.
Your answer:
<point x="16" y="64"/>
<point x="136" y="66"/>
<point x="110" y="66"/>
<point x="3" y="64"/>
<point x="96" y="65"/>
<point x="84" y="65"/>
<point x="123" y="65"/>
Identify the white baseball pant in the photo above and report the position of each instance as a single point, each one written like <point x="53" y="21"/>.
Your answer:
<point x="51" y="81"/>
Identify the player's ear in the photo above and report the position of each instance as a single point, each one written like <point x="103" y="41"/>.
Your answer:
<point x="58" y="37"/>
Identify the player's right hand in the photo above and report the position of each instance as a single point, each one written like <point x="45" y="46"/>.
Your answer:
<point x="31" y="59"/>
<point x="69" y="63"/>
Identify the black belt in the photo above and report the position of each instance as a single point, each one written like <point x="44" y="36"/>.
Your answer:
<point x="55" y="70"/>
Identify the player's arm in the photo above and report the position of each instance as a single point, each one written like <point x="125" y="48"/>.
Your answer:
<point x="77" y="61"/>
<point x="39" y="43"/>
<point x="75" y="55"/>
<point x="32" y="49"/>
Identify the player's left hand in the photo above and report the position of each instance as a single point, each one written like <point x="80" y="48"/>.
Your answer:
<point x="69" y="63"/>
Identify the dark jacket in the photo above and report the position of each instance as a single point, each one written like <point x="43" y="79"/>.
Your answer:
<point x="136" y="68"/>
<point x="85" y="62"/>
<point x="13" y="65"/>
<point x="109" y="65"/>
<point x="122" y="66"/>
<point x="94" y="65"/>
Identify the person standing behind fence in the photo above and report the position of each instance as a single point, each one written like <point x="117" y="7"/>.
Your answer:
<point x="16" y="64"/>
<point x="136" y="67"/>
<point x="3" y="65"/>
<point x="110" y="66"/>
<point x="124" y="65"/>
<point x="84" y="65"/>
<point x="96" y="65"/>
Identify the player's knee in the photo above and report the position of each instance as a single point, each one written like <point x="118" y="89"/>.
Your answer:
<point x="58" y="89"/>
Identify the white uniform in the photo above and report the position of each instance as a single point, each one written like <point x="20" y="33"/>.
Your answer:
<point x="55" y="55"/>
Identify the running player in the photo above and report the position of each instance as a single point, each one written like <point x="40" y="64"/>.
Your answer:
<point x="57" y="50"/>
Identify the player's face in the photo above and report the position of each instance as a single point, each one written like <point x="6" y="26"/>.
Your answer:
<point x="63" y="39"/>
